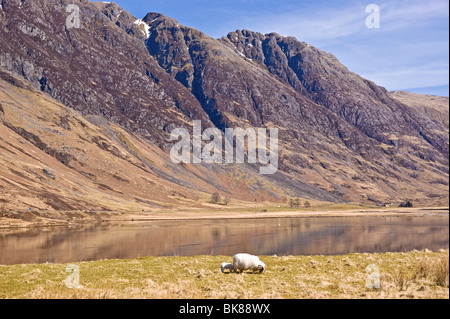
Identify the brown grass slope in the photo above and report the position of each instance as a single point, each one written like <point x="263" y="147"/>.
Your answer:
<point x="54" y="158"/>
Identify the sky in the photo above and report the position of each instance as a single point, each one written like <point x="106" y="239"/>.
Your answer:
<point x="408" y="50"/>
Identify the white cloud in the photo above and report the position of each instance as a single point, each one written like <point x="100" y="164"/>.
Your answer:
<point x="331" y="23"/>
<point x="407" y="14"/>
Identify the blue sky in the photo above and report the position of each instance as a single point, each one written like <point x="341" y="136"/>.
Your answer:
<point x="408" y="52"/>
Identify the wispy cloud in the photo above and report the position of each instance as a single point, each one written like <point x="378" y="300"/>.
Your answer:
<point x="331" y="22"/>
<point x="407" y="14"/>
<point x="315" y="26"/>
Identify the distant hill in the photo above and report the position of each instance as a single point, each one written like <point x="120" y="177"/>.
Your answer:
<point x="436" y="107"/>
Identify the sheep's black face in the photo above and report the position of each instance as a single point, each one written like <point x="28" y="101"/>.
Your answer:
<point x="261" y="269"/>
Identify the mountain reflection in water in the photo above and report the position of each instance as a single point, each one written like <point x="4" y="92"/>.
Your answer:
<point x="268" y="236"/>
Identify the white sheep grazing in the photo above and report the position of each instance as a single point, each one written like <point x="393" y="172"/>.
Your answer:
<point x="243" y="262"/>
<point x="225" y="266"/>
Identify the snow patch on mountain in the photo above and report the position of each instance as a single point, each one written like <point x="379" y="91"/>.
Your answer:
<point x="146" y="27"/>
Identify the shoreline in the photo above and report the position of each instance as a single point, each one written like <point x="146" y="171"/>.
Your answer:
<point x="393" y="212"/>
<point x="65" y="219"/>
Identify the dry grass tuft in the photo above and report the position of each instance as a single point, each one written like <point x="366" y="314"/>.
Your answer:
<point x="437" y="270"/>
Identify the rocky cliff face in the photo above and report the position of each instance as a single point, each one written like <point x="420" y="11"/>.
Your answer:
<point x="321" y="77"/>
<point x="98" y="69"/>
<point x="342" y="138"/>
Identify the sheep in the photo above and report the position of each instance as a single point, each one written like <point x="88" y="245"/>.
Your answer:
<point x="225" y="266"/>
<point x="243" y="262"/>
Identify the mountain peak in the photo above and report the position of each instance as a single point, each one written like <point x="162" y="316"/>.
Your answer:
<point x="157" y="18"/>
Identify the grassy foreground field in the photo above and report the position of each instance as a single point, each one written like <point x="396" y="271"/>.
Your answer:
<point x="417" y="274"/>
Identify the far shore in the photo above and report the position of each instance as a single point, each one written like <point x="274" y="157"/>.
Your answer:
<point x="291" y="214"/>
<point x="63" y="218"/>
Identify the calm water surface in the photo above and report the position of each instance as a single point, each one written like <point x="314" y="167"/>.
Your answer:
<point x="281" y="236"/>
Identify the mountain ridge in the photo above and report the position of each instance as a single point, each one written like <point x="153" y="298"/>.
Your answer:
<point x="342" y="137"/>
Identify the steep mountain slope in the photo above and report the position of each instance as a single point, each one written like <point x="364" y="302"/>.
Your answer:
<point x="109" y="78"/>
<point x="120" y="85"/>
<point x="327" y="82"/>
<point x="97" y="69"/>
<point x="338" y="130"/>
<point x="53" y="157"/>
